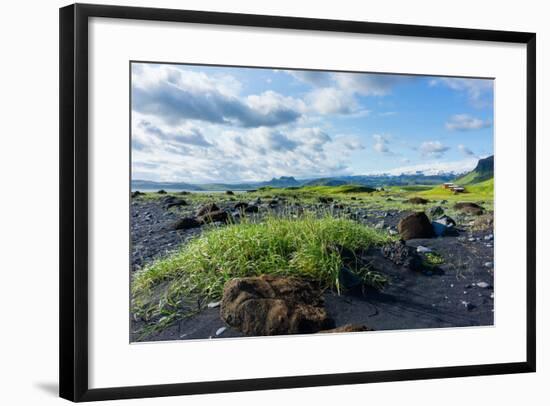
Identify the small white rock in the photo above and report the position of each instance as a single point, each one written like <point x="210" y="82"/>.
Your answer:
<point x="213" y="305"/>
<point x="488" y="264"/>
<point x="482" y="285"/>
<point x="220" y="330"/>
<point x="423" y="250"/>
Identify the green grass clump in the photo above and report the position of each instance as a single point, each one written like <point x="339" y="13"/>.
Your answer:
<point x="433" y="259"/>
<point x="307" y="247"/>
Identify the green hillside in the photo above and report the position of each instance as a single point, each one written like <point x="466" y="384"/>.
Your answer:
<point x="482" y="172"/>
<point x="485" y="188"/>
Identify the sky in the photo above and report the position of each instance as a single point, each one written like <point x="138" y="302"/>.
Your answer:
<point x="202" y="124"/>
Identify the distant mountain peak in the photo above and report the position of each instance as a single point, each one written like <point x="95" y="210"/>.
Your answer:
<point x="486" y="164"/>
<point x="283" y="181"/>
<point x="284" y="178"/>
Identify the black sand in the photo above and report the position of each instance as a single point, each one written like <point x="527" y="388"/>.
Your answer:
<point x="448" y="296"/>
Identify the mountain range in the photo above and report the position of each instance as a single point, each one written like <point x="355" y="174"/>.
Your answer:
<point x="483" y="171"/>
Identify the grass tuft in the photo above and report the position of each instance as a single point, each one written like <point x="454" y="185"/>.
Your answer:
<point x="433" y="259"/>
<point x="302" y="247"/>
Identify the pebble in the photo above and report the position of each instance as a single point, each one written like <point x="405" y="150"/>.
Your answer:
<point x="488" y="237"/>
<point x="468" y="305"/>
<point x="482" y="285"/>
<point x="213" y="305"/>
<point x="488" y="264"/>
<point x="471" y="239"/>
<point x="423" y="250"/>
<point x="220" y="331"/>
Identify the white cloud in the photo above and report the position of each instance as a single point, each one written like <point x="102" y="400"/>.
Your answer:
<point x="313" y="78"/>
<point x="183" y="135"/>
<point x="335" y="93"/>
<point x="479" y="91"/>
<point x="178" y="95"/>
<point x="432" y="149"/>
<point x="381" y="144"/>
<point x="150" y="75"/>
<point x="239" y="154"/>
<point x="270" y="101"/>
<point x="370" y="84"/>
<point x="465" y="122"/>
<point x="330" y="100"/>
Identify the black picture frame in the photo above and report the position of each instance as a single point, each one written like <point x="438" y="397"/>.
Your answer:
<point x="73" y="180"/>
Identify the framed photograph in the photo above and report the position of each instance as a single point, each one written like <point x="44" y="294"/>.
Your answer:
<point x="257" y="202"/>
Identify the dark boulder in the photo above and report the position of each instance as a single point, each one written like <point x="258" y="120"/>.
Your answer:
<point x="186" y="223"/>
<point x="240" y="205"/>
<point x="417" y="200"/>
<point x="207" y="208"/>
<point x="446" y="220"/>
<point x="184" y="192"/>
<point x="271" y="305"/>
<point x="325" y="200"/>
<point x="469" y="208"/>
<point x="161" y="192"/>
<point x="415" y="225"/>
<point x="443" y="226"/>
<point x="251" y="209"/>
<point x="213" y="217"/>
<point x="137" y="193"/>
<point x="176" y="203"/>
<point x="172" y="201"/>
<point x="229" y="192"/>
